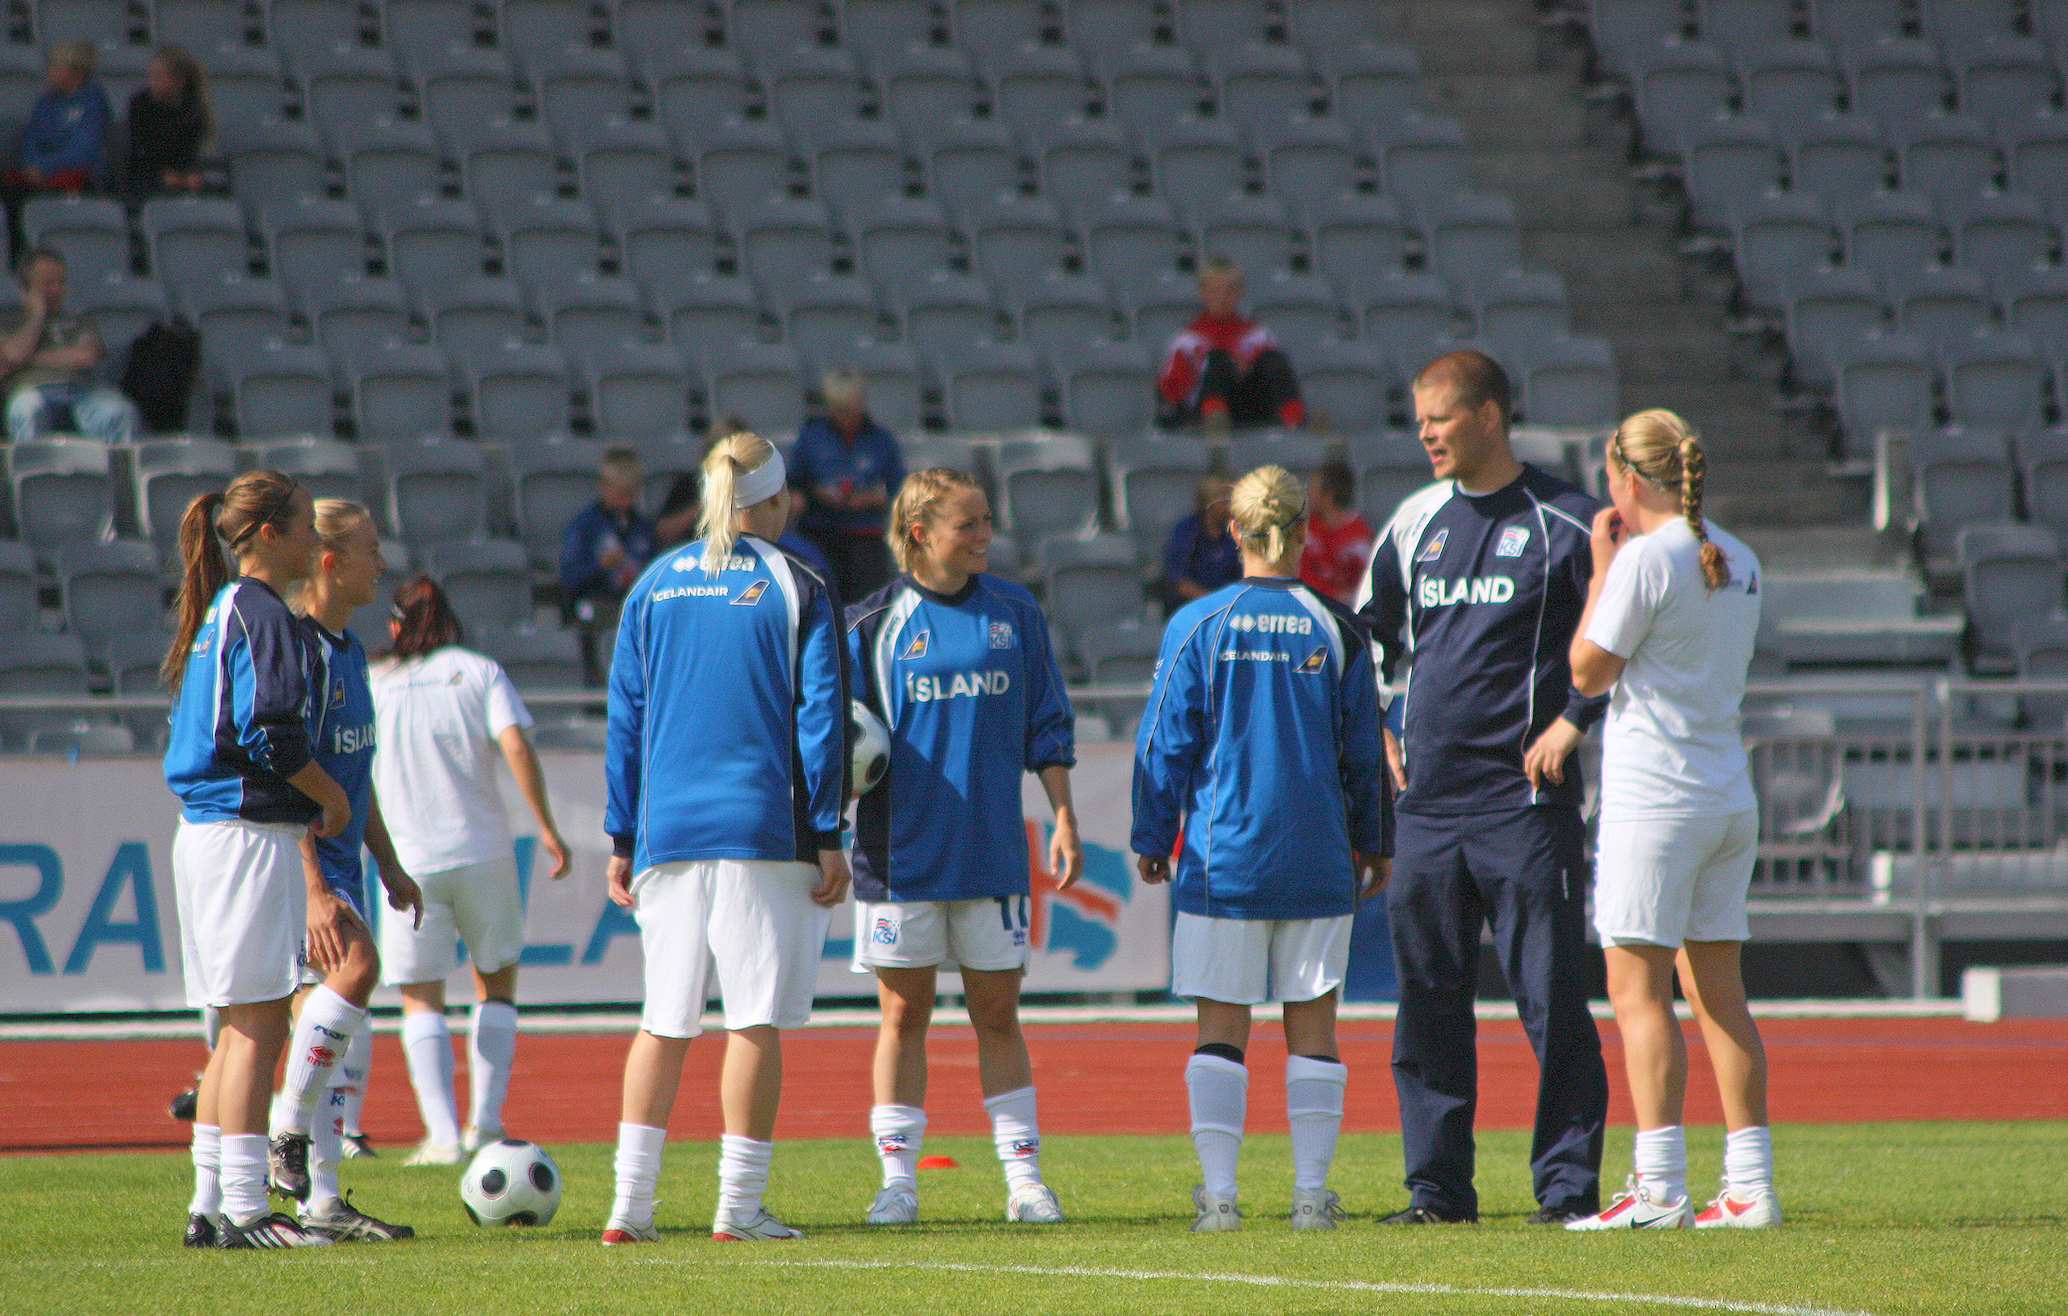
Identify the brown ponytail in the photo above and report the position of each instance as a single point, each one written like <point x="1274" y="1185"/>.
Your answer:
<point x="1659" y="448"/>
<point x="425" y="618"/>
<point x="254" y="499"/>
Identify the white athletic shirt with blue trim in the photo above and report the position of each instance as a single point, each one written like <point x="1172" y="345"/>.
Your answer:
<point x="727" y="733"/>
<point x="1261" y="743"/>
<point x="243" y="722"/>
<point x="967" y="684"/>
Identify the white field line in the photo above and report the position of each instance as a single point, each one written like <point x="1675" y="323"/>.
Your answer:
<point x="1285" y="1282"/>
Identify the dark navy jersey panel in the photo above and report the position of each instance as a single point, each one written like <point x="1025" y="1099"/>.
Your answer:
<point x="344" y="742"/>
<point x="1475" y="598"/>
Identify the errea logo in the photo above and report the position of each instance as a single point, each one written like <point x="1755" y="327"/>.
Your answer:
<point x="688" y="562"/>
<point x="1271" y="623"/>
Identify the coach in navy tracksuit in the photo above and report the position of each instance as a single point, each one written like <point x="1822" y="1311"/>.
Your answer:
<point x="1478" y="581"/>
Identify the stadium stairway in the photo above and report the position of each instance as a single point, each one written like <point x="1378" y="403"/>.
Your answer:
<point x="1519" y="85"/>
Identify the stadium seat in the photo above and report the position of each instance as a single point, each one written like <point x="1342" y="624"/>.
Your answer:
<point x="1727" y="158"/>
<point x="1370" y="82"/>
<point x="761" y="383"/>
<point x="636" y="390"/>
<point x="550" y="482"/>
<point x="529" y="29"/>
<point x="1147" y="87"/>
<point x="1838" y="155"/>
<point x="875" y="27"/>
<point x="1679" y="85"/>
<point x="122" y="308"/>
<point x="1125" y="235"/>
<point x="944" y="311"/>
<point x="199" y="25"/>
<point x="1406" y="312"/>
<point x="518" y="390"/>
<point x="400" y="391"/>
<point x="1966" y="22"/>
<point x="1344" y="385"/>
<point x="1994" y="380"/>
<point x="662" y="237"/>
<point x="824" y="317"/>
<point x="782" y="241"/>
<point x="91" y="233"/>
<point x="2039" y="645"/>
<point x="488" y="581"/>
<point x="313" y="238"/>
<point x="1046" y="487"/>
<point x="2008" y="573"/>
<point x="510" y="167"/>
<point x="463" y="91"/>
<point x="1388" y="471"/>
<point x="1084" y="163"/>
<point x="349" y="83"/>
<point x="1061" y="312"/>
<point x="272" y="159"/>
<point x="706" y="310"/>
<point x="925" y="86"/>
<point x="896" y="239"/>
<point x="1107" y="388"/>
<point x="761" y="28"/>
<point x="432" y="242"/>
<point x="109" y="589"/>
<point x="811" y="87"/>
<point x="132" y="661"/>
<point x="2035" y="304"/>
<point x="1192" y="163"/>
<point x="1119" y="651"/>
<point x="1622" y="29"/>
<point x="1095" y="27"/>
<point x="2004" y="79"/>
<point x="1087" y="581"/>
<point x="353" y="314"/>
<point x="2002" y="235"/>
<point x="533" y="659"/>
<point x="299" y="29"/>
<point x="1774" y="237"/>
<point x="857" y="162"/>
<point x="426" y="24"/>
<point x="469" y="316"/>
<point x="1828" y="309"/>
<point x="1572" y="382"/>
<point x="63" y="493"/>
<point x="1310" y="162"/>
<point x="1259" y="84"/>
<point x="193" y="237"/>
<point x="695" y="89"/>
<point x="1947" y="157"/>
<point x="1941" y="307"/>
<point x="1253" y="231"/>
<point x="244" y="88"/>
<point x="2036" y="158"/>
<point x="894" y="388"/>
<point x="2042" y="457"/>
<point x="587" y="312"/>
<point x="1884" y="381"/>
<point x="1204" y="25"/>
<point x="1014" y="241"/>
<point x="1422" y="156"/>
<point x="1894" y="78"/>
<point x="989" y="27"/>
<point x="1299" y="309"/>
<point x="1959" y="478"/>
<point x="989" y="387"/>
<point x="968" y="163"/>
<point x="1301" y="454"/>
<point x="1890" y="232"/>
<point x="322" y="465"/>
<point x="20" y="609"/>
<point x="1517" y="305"/>
<point x="620" y="164"/>
<point x="1158" y="308"/>
<point x="544" y="238"/>
<point x="1356" y="240"/>
<point x="1734" y="24"/>
<point x="1153" y="482"/>
<point x="1786" y="81"/>
<point x="39" y="664"/>
<point x="1032" y="86"/>
<point x="435" y="490"/>
<point x="169" y="474"/>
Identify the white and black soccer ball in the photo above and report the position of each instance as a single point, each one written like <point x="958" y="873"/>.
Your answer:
<point x="511" y="1182"/>
<point x="871" y="747"/>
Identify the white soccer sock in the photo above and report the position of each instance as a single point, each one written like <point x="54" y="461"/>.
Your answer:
<point x="427" y="1044"/>
<point x="348" y="1085"/>
<point x="1314" y="1114"/>
<point x="491" y="1047"/>
<point x="1661" y="1162"/>
<point x="1748" y="1161"/>
<point x="1219" y="1093"/>
<point x="1016" y="1134"/>
<point x="208" y="1164"/>
<point x="742" y="1175"/>
<point x="325" y="1151"/>
<point x="321" y="1038"/>
<point x="243" y="1177"/>
<point x="638" y="1169"/>
<point x="900" y="1131"/>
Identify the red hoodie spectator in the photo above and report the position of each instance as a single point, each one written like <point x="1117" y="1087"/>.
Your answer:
<point x="1223" y="369"/>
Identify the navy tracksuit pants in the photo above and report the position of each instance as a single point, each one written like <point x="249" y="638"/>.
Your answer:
<point x="1525" y="873"/>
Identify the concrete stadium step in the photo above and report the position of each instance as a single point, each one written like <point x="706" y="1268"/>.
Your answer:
<point x="1607" y="264"/>
<point x="1785" y="492"/>
<point x="1542" y="110"/>
<point x="1555" y="186"/>
<point x="1474" y="36"/>
<point x="1821" y="547"/>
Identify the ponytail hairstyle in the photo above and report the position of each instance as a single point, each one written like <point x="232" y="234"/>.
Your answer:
<point x="212" y="523"/>
<point x="424" y="617"/>
<point x="1662" y="451"/>
<point x="728" y="458"/>
<point x="918" y="497"/>
<point x="1269" y="509"/>
<point x="336" y="518"/>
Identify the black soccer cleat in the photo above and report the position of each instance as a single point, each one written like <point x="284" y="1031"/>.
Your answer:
<point x="1563" y="1214"/>
<point x="288" y="1164"/>
<point x="1422" y="1215"/>
<point x="183" y="1106"/>
<point x="346" y="1223"/>
<point x="268" y="1231"/>
<point x="200" y="1231"/>
<point x="355" y="1145"/>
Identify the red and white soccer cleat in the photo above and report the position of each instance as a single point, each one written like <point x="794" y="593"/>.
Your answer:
<point x="1761" y="1211"/>
<point x="1635" y="1209"/>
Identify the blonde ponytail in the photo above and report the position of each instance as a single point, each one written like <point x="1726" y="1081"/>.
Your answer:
<point x="1269" y="509"/>
<point x="718" y="522"/>
<point x="1665" y="453"/>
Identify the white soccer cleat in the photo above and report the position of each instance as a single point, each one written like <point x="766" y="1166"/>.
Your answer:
<point x="1033" y="1204"/>
<point x="1635" y="1209"/>
<point x="1762" y="1211"/>
<point x="895" y="1205"/>
<point x="1317" y="1210"/>
<point x="436" y="1153"/>
<point x="621" y="1231"/>
<point x="1216" y="1214"/>
<point x="473" y="1140"/>
<point x="761" y="1227"/>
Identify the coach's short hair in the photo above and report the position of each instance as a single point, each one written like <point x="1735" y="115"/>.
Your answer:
<point x="1477" y="378"/>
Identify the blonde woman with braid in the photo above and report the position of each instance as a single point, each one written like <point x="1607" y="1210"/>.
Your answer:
<point x="1261" y="746"/>
<point x="1668" y="626"/>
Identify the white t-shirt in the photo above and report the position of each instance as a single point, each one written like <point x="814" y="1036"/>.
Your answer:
<point x="1672" y="747"/>
<point x="438" y="717"/>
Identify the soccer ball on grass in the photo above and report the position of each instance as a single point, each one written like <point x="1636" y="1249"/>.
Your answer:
<point x="511" y="1182"/>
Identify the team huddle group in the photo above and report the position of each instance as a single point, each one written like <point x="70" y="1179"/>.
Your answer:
<point x="1277" y="782"/>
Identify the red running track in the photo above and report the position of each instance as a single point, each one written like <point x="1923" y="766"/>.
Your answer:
<point x="1096" y="1078"/>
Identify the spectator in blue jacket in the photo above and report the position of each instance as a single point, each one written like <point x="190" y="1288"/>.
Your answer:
<point x="1200" y="556"/>
<point x="603" y="550"/>
<point x="61" y="144"/>
<point x="847" y="467"/>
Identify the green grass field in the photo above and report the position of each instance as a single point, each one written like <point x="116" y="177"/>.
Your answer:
<point x="1882" y="1218"/>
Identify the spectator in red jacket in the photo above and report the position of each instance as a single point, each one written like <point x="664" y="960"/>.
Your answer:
<point x="1223" y="370"/>
<point x="1339" y="539"/>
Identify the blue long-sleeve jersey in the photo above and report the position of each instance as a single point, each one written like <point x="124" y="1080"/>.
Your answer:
<point x="1480" y="594"/>
<point x="967" y="684"/>
<point x="1261" y="743"/>
<point x="343" y="745"/>
<point x="727" y="736"/>
<point x="66" y="132"/>
<point x="241" y="725"/>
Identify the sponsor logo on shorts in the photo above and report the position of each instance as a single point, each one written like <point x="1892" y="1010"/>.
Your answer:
<point x="1001" y="635"/>
<point x="1314" y="661"/>
<point x="1513" y="540"/>
<point x="322" y="1056"/>
<point x="1019" y="937"/>
<point x="751" y="595"/>
<point x="1434" y="548"/>
<point x="886" y="933"/>
<point x="917" y="648"/>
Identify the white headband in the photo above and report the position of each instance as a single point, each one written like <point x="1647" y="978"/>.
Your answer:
<point x="761" y="483"/>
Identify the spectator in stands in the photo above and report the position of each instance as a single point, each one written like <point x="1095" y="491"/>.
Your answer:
<point x="603" y="550"/>
<point x="847" y="466"/>
<point x="48" y="358"/>
<point x="1339" y="540"/>
<point x="61" y="144"/>
<point x="1201" y="555"/>
<point x="169" y="123"/>
<point x="1223" y="370"/>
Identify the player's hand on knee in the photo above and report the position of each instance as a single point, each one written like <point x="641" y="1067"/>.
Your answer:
<point x="834" y="876"/>
<point x="619" y="871"/>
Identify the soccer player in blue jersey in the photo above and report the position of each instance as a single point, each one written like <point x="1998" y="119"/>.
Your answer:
<point x="958" y="665"/>
<point x="241" y="761"/>
<point x="341" y="963"/>
<point x="1475" y="590"/>
<point x="726" y="770"/>
<point x="1260" y="746"/>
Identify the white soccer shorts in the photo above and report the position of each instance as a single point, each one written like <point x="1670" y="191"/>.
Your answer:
<point x="986" y="933"/>
<point x="749" y="923"/>
<point x="478" y="904"/>
<point x="1247" y="961"/>
<point x="1669" y="880"/>
<point x="243" y="909"/>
